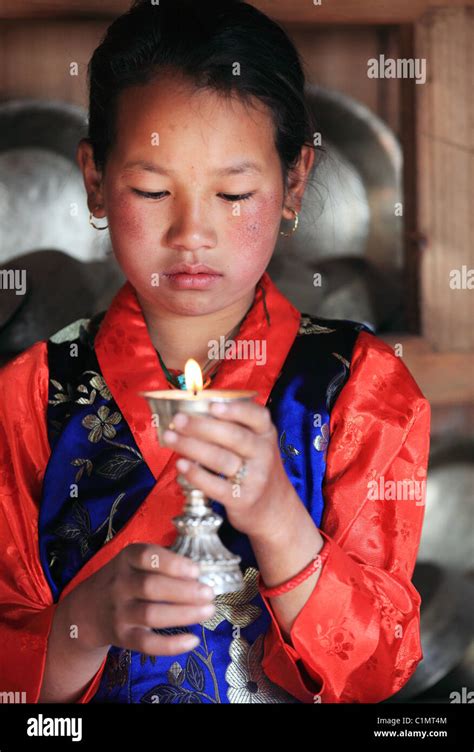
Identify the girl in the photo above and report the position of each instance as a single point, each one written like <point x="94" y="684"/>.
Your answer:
<point x="199" y="144"/>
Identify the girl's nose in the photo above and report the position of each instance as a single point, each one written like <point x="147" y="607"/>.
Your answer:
<point x="191" y="228"/>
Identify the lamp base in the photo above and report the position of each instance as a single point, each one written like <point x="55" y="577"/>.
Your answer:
<point x="198" y="539"/>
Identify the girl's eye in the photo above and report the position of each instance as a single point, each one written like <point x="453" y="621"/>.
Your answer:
<point x="227" y="196"/>
<point x="147" y="194"/>
<point x="237" y="197"/>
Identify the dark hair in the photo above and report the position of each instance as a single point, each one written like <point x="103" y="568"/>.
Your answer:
<point x="202" y="40"/>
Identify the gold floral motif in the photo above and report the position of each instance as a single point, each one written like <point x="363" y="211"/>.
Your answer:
<point x="117" y="669"/>
<point x="110" y="530"/>
<point x="97" y="383"/>
<point x="102" y="427"/>
<point x="236" y="607"/>
<point x="61" y="395"/>
<point x="101" y="424"/>
<point x="342" y="359"/>
<point x="176" y="674"/>
<point x="80" y="529"/>
<point x="83" y="464"/>
<point x="245" y="676"/>
<point x="307" y="326"/>
<point x="288" y="449"/>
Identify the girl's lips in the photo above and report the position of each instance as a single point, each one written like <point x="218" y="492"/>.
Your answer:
<point x="192" y="281"/>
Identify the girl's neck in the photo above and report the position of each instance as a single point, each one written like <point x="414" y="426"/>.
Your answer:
<point x="178" y="338"/>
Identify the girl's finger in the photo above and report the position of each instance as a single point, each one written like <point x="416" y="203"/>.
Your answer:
<point x="163" y="615"/>
<point x="214" y="487"/>
<point x="149" y="643"/>
<point x="150" y="557"/>
<point x="249" y="414"/>
<point x="225" y="433"/>
<point x="210" y="455"/>
<point x="156" y="587"/>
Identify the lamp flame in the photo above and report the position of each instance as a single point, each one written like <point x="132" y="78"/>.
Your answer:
<point x="193" y="376"/>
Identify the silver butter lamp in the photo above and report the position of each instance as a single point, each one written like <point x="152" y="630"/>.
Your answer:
<point x="198" y="525"/>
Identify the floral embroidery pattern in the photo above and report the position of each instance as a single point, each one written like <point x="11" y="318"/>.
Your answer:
<point x="121" y="343"/>
<point x="66" y="394"/>
<point x="288" y="450"/>
<point x="82" y="463"/>
<point x="403" y="674"/>
<point x="342" y="359"/>
<point x="379" y="384"/>
<point x="388" y="612"/>
<point x="321" y="442"/>
<point x="98" y="383"/>
<point x="61" y="395"/>
<point x="353" y="435"/>
<point x="80" y="529"/>
<point x="102" y="427"/>
<point x="337" y="382"/>
<point x="192" y="673"/>
<point x="117" y="669"/>
<point x="337" y="640"/>
<point x="247" y="681"/>
<point x="307" y="326"/>
<point x="186" y="683"/>
<point x="76" y="526"/>
<point x="236" y="607"/>
<point x="392" y="527"/>
<point x="101" y="424"/>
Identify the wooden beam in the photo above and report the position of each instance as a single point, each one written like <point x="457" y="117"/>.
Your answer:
<point x="445" y="177"/>
<point x="285" y="11"/>
<point x="412" y="245"/>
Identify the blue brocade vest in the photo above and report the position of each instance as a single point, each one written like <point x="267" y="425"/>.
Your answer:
<point x="114" y="479"/>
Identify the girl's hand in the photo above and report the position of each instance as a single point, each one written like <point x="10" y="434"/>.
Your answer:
<point x="261" y="504"/>
<point x="143" y="586"/>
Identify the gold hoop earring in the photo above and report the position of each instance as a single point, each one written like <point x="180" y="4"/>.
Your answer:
<point x="295" y="224"/>
<point x="93" y="225"/>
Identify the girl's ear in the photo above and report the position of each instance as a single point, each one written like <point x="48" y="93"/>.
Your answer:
<point x="91" y="175"/>
<point x="297" y="180"/>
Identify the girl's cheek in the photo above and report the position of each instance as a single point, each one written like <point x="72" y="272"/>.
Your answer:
<point x="254" y="231"/>
<point x="125" y="219"/>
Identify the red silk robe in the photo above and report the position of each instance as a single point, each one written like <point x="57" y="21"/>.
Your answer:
<point x="357" y="639"/>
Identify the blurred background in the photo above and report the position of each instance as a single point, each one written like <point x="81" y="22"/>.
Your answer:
<point x="387" y="219"/>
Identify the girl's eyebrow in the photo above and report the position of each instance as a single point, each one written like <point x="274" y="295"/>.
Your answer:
<point x="245" y="166"/>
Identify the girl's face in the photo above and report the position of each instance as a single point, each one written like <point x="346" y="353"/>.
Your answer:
<point x="192" y="179"/>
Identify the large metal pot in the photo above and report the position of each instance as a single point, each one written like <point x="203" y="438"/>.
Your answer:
<point x="447" y="629"/>
<point x="42" y="195"/>
<point x="348" y="231"/>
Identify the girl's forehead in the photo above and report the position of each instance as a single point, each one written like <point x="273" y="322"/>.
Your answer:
<point x="181" y="107"/>
<point x="158" y="124"/>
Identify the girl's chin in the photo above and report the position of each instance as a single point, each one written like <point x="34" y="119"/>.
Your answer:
<point x="185" y="302"/>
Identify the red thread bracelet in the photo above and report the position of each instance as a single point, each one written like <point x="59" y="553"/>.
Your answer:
<point x="293" y="582"/>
